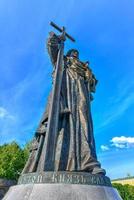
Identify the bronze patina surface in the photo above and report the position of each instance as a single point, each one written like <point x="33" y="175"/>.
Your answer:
<point x="65" y="177"/>
<point x="64" y="140"/>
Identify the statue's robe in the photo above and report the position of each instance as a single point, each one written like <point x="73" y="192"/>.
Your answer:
<point x="75" y="145"/>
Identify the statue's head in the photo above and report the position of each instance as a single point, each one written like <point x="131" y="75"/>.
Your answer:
<point x="73" y="53"/>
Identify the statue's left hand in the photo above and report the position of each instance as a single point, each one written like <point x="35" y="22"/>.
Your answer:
<point x="62" y="37"/>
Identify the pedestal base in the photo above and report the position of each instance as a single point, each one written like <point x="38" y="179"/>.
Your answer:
<point x="61" y="192"/>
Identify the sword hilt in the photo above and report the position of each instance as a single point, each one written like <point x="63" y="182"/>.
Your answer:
<point x="61" y="30"/>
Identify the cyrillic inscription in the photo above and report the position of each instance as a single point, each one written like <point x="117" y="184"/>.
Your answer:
<point x="66" y="178"/>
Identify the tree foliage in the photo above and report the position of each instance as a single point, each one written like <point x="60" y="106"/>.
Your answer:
<point x="12" y="160"/>
<point x="126" y="191"/>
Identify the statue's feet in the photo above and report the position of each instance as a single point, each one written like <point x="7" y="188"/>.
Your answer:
<point x="98" y="170"/>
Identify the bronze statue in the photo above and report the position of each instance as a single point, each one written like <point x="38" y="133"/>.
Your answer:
<point x="64" y="140"/>
<point x="63" y="162"/>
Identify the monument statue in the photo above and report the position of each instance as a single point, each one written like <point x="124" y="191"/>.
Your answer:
<point x="72" y="146"/>
<point x="63" y="150"/>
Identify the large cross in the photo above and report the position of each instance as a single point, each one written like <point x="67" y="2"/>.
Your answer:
<point x="53" y="118"/>
<point x="61" y="30"/>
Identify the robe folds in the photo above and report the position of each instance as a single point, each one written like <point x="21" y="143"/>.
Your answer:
<point x="75" y="145"/>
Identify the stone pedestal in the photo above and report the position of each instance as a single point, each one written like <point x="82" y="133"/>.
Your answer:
<point x="61" y="192"/>
<point x="4" y="186"/>
<point x="62" y="186"/>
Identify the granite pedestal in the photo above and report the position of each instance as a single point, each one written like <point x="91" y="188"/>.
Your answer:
<point x="63" y="186"/>
<point x="5" y="185"/>
<point x="61" y="192"/>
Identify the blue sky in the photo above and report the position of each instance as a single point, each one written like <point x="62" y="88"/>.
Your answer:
<point x="104" y="33"/>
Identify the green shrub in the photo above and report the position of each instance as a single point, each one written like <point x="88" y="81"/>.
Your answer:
<point x="126" y="191"/>
<point x="12" y="160"/>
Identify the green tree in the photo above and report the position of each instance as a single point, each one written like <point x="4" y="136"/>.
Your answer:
<point x="12" y="160"/>
<point x="126" y="191"/>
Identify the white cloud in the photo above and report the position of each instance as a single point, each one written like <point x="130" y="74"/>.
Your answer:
<point x="104" y="148"/>
<point x="5" y="114"/>
<point x="122" y="142"/>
